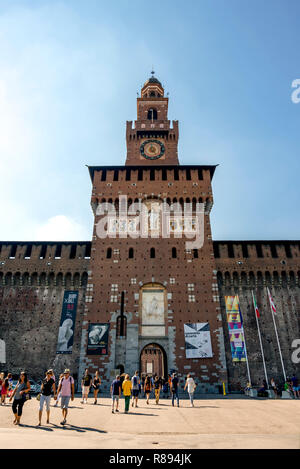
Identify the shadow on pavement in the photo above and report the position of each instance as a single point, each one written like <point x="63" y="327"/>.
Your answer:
<point x="37" y="427"/>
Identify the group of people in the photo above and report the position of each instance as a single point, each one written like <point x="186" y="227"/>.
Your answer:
<point x="65" y="391"/>
<point x="132" y="388"/>
<point x="291" y="385"/>
<point x="5" y="387"/>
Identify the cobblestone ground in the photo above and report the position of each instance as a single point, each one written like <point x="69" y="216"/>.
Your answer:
<point x="212" y="423"/>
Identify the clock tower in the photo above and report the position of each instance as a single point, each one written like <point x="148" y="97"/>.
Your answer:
<point x="152" y="139"/>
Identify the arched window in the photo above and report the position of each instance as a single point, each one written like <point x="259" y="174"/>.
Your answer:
<point x="152" y="114"/>
<point x="130" y="254"/>
<point x="108" y="253"/>
<point x="174" y="253"/>
<point x="121" y="328"/>
<point x="152" y="253"/>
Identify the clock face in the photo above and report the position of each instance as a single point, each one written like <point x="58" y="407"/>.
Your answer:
<point x="152" y="149"/>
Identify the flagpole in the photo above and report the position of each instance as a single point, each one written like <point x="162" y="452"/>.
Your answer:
<point x="261" y="347"/>
<point x="248" y="369"/>
<point x="275" y="327"/>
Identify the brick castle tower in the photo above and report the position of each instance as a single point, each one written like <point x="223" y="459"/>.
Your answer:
<point x="145" y="292"/>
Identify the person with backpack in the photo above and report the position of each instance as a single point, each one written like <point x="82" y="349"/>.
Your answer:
<point x="126" y="387"/>
<point x="66" y="387"/>
<point x="157" y="388"/>
<point x="115" y="391"/>
<point x="135" y="381"/>
<point x="20" y="395"/>
<point x="174" y="389"/>
<point x="147" y="388"/>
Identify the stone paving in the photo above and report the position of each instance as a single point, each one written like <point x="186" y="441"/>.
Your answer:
<point x="228" y="422"/>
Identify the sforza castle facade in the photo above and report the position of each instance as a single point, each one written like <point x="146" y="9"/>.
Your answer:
<point x="150" y="302"/>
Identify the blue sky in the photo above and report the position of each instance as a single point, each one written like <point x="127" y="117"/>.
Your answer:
<point x="69" y="74"/>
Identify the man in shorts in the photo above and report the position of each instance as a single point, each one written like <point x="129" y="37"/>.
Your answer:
<point x="135" y="380"/>
<point x="66" y="389"/>
<point x="296" y="387"/>
<point x="115" y="390"/>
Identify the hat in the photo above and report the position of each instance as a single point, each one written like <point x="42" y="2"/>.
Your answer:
<point x="66" y="371"/>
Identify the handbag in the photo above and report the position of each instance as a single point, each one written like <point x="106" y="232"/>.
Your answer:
<point x="38" y="397"/>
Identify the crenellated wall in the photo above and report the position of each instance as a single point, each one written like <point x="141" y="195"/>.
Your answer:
<point x="246" y="266"/>
<point x="34" y="276"/>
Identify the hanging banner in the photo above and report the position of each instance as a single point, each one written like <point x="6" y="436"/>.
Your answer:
<point x="67" y="322"/>
<point x="197" y="340"/>
<point x="236" y="330"/>
<point x="98" y="339"/>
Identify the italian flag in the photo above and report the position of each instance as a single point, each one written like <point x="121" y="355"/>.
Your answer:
<point x="255" y="306"/>
<point x="271" y="302"/>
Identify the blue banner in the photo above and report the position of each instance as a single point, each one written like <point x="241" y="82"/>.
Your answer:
<point x="67" y="322"/>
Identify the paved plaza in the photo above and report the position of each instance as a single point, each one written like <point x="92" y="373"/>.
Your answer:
<point x="214" y="422"/>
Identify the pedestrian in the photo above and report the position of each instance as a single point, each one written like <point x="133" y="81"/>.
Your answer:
<point x="96" y="385"/>
<point x="191" y="386"/>
<point x="274" y="388"/>
<point x="296" y="387"/>
<point x="4" y="389"/>
<point x="20" y="394"/>
<point x="10" y="385"/>
<point x="126" y="387"/>
<point x="157" y="388"/>
<point x="52" y="374"/>
<point x="58" y="393"/>
<point x="66" y="386"/>
<point x="47" y="386"/>
<point x="85" y="385"/>
<point x="115" y="391"/>
<point x="135" y="381"/>
<point x="147" y="387"/>
<point x="165" y="388"/>
<point x="174" y="389"/>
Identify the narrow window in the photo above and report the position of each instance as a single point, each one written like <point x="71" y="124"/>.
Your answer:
<point x="73" y="251"/>
<point x="174" y="253"/>
<point x="28" y="251"/>
<point x="230" y="250"/>
<point x="140" y="175"/>
<point x="259" y="250"/>
<point x="58" y="251"/>
<point x="108" y="253"/>
<point x="195" y="252"/>
<point x="130" y="254"/>
<point x="152" y="253"/>
<point x="87" y="253"/>
<point x="116" y="175"/>
<point x="43" y="251"/>
<point x="273" y="250"/>
<point x="245" y="250"/>
<point x="216" y="250"/>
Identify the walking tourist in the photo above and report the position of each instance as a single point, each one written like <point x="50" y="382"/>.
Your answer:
<point x="174" y="389"/>
<point x="66" y="387"/>
<point x="165" y="388"/>
<point x="20" y="394"/>
<point x="274" y="388"/>
<point x="96" y="385"/>
<point x="85" y="385"/>
<point x="296" y="387"/>
<point x="115" y="391"/>
<point x="126" y="387"/>
<point x="4" y="389"/>
<point x="48" y="385"/>
<point x="157" y="388"/>
<point x="147" y="388"/>
<point x="58" y="393"/>
<point x="135" y="381"/>
<point x="191" y="386"/>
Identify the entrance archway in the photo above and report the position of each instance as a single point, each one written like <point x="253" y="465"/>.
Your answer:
<point x="153" y="361"/>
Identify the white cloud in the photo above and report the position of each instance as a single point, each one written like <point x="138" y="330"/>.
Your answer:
<point x="60" y="228"/>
